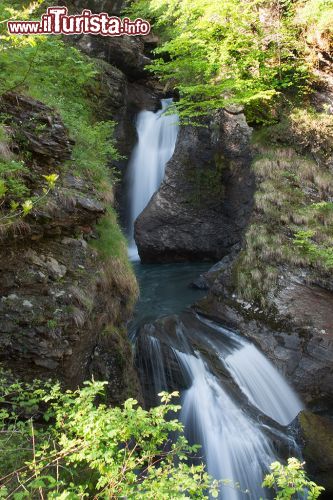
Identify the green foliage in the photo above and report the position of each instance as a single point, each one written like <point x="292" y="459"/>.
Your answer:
<point x="20" y="10"/>
<point x="220" y="52"/>
<point x="64" y="445"/>
<point x="11" y="175"/>
<point x="111" y="241"/>
<point x="71" y="445"/>
<point x="51" y="180"/>
<point x="61" y="76"/>
<point x="23" y="208"/>
<point x="317" y="15"/>
<point x="27" y="206"/>
<point x="3" y="134"/>
<point x="290" y="480"/>
<point x="94" y="147"/>
<point x="303" y="240"/>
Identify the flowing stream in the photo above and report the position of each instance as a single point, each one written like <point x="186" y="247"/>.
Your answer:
<point x="235" y="403"/>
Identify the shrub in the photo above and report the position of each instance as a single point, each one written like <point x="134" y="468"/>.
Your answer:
<point x="291" y="480"/>
<point x="64" y="445"/>
<point x="70" y="445"/>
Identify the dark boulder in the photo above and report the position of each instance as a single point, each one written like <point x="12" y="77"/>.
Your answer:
<point x="205" y="200"/>
<point x="124" y="52"/>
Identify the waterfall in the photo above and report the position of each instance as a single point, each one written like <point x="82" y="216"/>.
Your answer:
<point x="217" y="410"/>
<point x="263" y="385"/>
<point x="157" y="135"/>
<point x="234" y="447"/>
<point x="258" y="379"/>
<point x="235" y="403"/>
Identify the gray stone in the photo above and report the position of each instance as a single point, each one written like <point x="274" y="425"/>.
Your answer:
<point x="56" y="270"/>
<point x="12" y="296"/>
<point x="27" y="304"/>
<point x="90" y="205"/>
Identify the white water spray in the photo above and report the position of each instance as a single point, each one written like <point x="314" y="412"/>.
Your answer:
<point x="234" y="447"/>
<point x="258" y="379"/>
<point x="263" y="385"/>
<point x="157" y="135"/>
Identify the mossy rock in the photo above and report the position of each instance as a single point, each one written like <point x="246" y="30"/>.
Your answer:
<point x="317" y="435"/>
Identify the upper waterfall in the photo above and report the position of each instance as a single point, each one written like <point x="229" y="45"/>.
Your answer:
<point x="157" y="135"/>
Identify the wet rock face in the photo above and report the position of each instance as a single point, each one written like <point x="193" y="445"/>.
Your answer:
<point x="156" y="363"/>
<point x="62" y="312"/>
<point x="205" y="200"/>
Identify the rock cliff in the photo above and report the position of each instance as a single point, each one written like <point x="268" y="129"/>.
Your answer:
<point x="64" y="306"/>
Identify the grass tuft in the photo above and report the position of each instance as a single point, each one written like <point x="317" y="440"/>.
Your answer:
<point x="293" y="218"/>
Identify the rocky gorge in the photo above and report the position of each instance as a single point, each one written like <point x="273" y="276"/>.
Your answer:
<point x="293" y="324"/>
<point x="65" y="304"/>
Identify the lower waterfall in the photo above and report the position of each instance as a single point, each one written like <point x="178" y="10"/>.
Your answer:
<point x="226" y="419"/>
<point x="234" y="447"/>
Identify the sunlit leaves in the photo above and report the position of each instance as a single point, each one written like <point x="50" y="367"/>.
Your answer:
<point x="291" y="480"/>
<point x="218" y="52"/>
<point x="3" y="188"/>
<point x="17" y="11"/>
<point x="51" y="180"/>
<point x="27" y="206"/>
<point x="89" y="449"/>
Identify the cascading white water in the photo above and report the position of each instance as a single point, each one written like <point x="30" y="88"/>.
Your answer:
<point x="157" y="135"/>
<point x="259" y="380"/>
<point x="234" y="447"/>
<point x="263" y="385"/>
